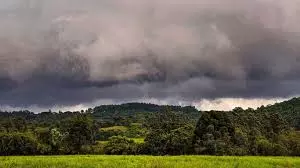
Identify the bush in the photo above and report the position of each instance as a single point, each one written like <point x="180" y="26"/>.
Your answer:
<point x="292" y="142"/>
<point x="44" y="149"/>
<point x="18" y="144"/>
<point x="264" y="147"/>
<point x="78" y="131"/>
<point x="176" y="142"/>
<point x="280" y="150"/>
<point x="120" y="145"/>
<point x="104" y="135"/>
<point x="96" y="149"/>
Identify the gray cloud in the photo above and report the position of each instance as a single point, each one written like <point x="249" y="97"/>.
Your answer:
<point x="66" y="52"/>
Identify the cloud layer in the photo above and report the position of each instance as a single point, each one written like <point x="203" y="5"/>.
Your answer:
<point x="67" y="52"/>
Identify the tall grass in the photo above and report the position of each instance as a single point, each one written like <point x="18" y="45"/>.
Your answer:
<point x="93" y="161"/>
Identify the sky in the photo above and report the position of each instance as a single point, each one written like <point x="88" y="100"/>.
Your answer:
<point x="212" y="54"/>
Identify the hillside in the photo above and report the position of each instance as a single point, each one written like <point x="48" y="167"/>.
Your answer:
<point x="149" y="129"/>
<point x="136" y="112"/>
<point x="289" y="110"/>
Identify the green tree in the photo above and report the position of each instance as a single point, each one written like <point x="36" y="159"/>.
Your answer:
<point x="80" y="131"/>
<point x="18" y="144"/>
<point x="169" y="133"/>
<point x="120" y="145"/>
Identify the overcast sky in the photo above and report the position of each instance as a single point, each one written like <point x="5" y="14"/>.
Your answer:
<point x="213" y="54"/>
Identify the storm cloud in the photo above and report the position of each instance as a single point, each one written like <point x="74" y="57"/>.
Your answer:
<point x="67" y="52"/>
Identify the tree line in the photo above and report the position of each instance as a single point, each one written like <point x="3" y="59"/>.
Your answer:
<point x="166" y="130"/>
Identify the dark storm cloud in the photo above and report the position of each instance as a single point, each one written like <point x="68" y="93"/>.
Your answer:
<point x="66" y="52"/>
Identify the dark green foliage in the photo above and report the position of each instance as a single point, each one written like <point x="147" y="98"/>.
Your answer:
<point x="168" y="130"/>
<point x="213" y="133"/>
<point x="135" y="130"/>
<point x="291" y="141"/>
<point x="289" y="110"/>
<point x="80" y="130"/>
<point x="169" y="133"/>
<point x="97" y="149"/>
<point x="18" y="144"/>
<point x="104" y="135"/>
<point x="125" y="114"/>
<point x="240" y="132"/>
<point x="120" y="145"/>
<point x="43" y="134"/>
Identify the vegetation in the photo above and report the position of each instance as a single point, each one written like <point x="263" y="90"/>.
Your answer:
<point x="289" y="110"/>
<point x="242" y="132"/>
<point x="135" y="112"/>
<point x="147" y="129"/>
<point x="118" y="145"/>
<point x="169" y="134"/>
<point x="148" y="162"/>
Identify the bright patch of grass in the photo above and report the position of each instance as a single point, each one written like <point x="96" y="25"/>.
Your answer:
<point x="115" y="128"/>
<point x="138" y="140"/>
<point x="90" y="161"/>
<point x="102" y="142"/>
<point x="136" y="124"/>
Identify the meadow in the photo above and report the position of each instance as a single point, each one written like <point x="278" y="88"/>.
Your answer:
<point x="105" y="161"/>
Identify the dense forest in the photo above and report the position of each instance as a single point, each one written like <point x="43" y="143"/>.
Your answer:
<point x="139" y="128"/>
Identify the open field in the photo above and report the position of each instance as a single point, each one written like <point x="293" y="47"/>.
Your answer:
<point x="91" y="161"/>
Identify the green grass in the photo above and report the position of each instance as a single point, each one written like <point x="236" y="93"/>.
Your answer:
<point x="94" y="161"/>
<point x="102" y="142"/>
<point x="138" y="140"/>
<point x="115" y="128"/>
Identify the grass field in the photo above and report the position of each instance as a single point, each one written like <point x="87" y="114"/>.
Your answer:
<point x="138" y="140"/>
<point x="90" y="161"/>
<point x="114" y="128"/>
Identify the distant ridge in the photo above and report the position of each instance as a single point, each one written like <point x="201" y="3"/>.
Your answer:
<point x="145" y="107"/>
<point x="137" y="111"/>
<point x="289" y="110"/>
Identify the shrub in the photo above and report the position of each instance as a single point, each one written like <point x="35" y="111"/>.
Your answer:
<point x="18" y="144"/>
<point x="120" y="145"/>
